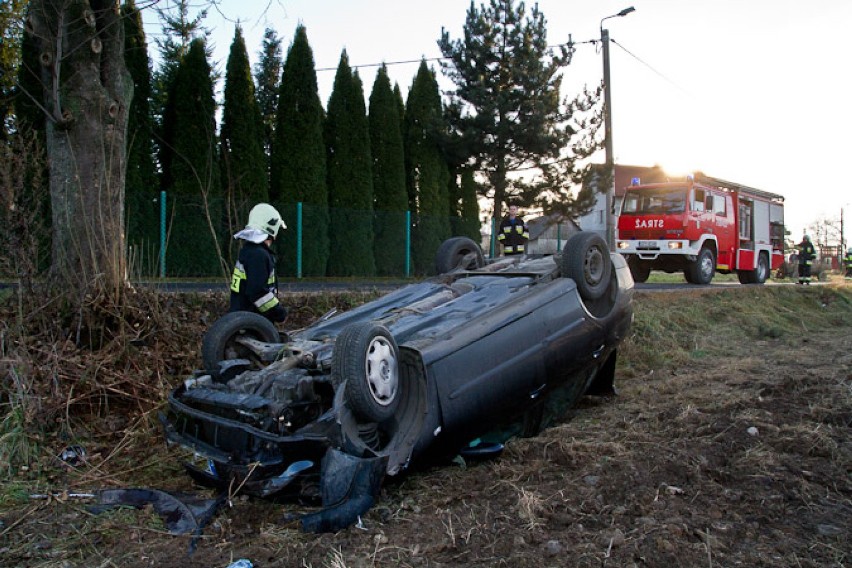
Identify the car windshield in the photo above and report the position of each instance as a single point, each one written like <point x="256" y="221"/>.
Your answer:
<point x="668" y="200"/>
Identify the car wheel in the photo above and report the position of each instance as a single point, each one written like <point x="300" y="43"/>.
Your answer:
<point x="586" y="261"/>
<point x="219" y="343"/>
<point x="704" y="267"/>
<point x="640" y="272"/>
<point x="458" y="252"/>
<point x="367" y="358"/>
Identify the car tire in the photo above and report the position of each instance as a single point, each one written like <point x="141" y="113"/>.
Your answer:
<point x="366" y="357"/>
<point x="219" y="342"/>
<point x="704" y="268"/>
<point x="761" y="272"/>
<point x="586" y="261"/>
<point x="458" y="252"/>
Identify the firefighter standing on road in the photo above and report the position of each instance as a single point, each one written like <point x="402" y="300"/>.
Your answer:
<point x="847" y="260"/>
<point x="807" y="254"/>
<point x="513" y="233"/>
<point x="254" y="286"/>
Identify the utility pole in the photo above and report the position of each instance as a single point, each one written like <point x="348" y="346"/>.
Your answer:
<point x="610" y="160"/>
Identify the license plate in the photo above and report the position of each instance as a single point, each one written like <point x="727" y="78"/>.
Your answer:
<point x="647" y="244"/>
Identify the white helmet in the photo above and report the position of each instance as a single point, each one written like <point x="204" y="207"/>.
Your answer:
<point x="264" y="217"/>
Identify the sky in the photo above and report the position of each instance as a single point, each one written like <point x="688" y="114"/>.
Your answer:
<point x="752" y="91"/>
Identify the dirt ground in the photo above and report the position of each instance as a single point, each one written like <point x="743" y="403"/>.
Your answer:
<point x="741" y="462"/>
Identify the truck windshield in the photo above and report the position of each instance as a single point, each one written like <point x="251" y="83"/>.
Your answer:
<point x="658" y="200"/>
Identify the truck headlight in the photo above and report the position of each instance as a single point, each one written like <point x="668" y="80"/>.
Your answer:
<point x="623" y="245"/>
<point x="675" y="245"/>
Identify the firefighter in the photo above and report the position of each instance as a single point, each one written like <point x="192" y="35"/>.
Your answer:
<point x="847" y="260"/>
<point x="807" y="254"/>
<point x="254" y="287"/>
<point x="513" y="233"/>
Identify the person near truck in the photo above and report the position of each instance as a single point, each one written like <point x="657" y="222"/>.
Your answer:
<point x="847" y="261"/>
<point x="513" y="233"/>
<point x="807" y="254"/>
<point x="254" y="286"/>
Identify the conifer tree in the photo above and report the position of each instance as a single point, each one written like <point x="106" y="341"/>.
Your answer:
<point x="350" y="180"/>
<point x="298" y="171"/>
<point x="427" y="174"/>
<point x="400" y="102"/>
<point x="467" y="222"/>
<point x="179" y="30"/>
<point x="29" y="119"/>
<point x="141" y="184"/>
<point x="506" y="106"/>
<point x="243" y="165"/>
<point x="267" y="76"/>
<point x="30" y="89"/>
<point x="195" y="190"/>
<point x="390" y="195"/>
<point x="11" y="35"/>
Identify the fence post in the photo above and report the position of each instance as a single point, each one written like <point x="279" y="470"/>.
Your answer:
<point x="558" y="237"/>
<point x="407" y="244"/>
<point x="162" y="234"/>
<point x="299" y="239"/>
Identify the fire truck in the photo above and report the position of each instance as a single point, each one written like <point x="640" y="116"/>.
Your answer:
<point x="701" y="225"/>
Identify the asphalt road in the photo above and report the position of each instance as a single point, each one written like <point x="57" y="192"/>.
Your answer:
<point x="318" y="286"/>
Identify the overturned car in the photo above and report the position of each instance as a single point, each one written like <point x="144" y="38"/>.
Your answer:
<point x="327" y="411"/>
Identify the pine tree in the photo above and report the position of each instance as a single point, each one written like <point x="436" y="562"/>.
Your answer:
<point x="267" y="76"/>
<point x="350" y="180"/>
<point x="179" y="30"/>
<point x="30" y="91"/>
<point x="427" y="175"/>
<point x="243" y="165"/>
<point x="30" y="121"/>
<point x="468" y="223"/>
<point x="11" y="36"/>
<point x="506" y="106"/>
<point x="141" y="188"/>
<point x="195" y="190"/>
<point x="400" y="103"/>
<point x="298" y="172"/>
<point x="390" y="195"/>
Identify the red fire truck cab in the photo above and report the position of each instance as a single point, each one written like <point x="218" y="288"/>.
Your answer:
<point x="701" y="225"/>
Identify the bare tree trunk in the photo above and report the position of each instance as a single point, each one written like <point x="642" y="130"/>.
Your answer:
<point x="88" y="91"/>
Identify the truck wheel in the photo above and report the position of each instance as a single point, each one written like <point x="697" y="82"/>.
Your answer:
<point x="761" y="272"/>
<point x="219" y="343"/>
<point x="367" y="358"/>
<point x="638" y="270"/>
<point x="458" y="252"/>
<point x="704" y="267"/>
<point x="586" y="261"/>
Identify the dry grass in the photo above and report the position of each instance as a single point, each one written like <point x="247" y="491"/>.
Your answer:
<point x="670" y="473"/>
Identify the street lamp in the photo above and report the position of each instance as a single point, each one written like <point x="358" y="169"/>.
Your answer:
<point x="610" y="161"/>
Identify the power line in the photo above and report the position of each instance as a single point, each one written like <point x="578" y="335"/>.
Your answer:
<point x="637" y="58"/>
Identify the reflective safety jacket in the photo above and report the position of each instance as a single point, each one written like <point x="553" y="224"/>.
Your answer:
<point x="807" y="252"/>
<point x="253" y="283"/>
<point x="848" y="260"/>
<point x="513" y="235"/>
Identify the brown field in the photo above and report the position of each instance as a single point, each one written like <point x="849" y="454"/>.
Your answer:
<point x="728" y="445"/>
